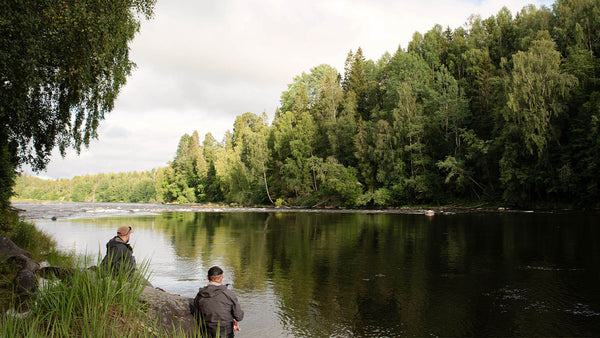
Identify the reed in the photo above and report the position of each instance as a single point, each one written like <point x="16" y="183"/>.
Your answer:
<point x="89" y="304"/>
<point x="41" y="247"/>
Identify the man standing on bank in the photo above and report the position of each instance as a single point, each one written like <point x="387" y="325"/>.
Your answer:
<point x="119" y="254"/>
<point x="216" y="307"/>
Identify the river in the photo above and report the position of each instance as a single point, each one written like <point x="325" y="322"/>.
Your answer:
<point x="361" y="274"/>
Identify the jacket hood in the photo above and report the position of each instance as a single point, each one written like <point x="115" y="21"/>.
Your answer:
<point x="210" y="291"/>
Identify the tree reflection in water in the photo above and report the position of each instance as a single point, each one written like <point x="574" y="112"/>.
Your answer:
<point x="344" y="274"/>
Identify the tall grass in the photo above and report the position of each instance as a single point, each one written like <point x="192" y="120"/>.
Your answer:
<point x="87" y="303"/>
<point x="38" y="244"/>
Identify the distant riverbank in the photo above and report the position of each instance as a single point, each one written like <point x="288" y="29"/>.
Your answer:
<point x="71" y="210"/>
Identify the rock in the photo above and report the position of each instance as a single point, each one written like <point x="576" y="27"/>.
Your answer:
<point x="8" y="248"/>
<point x="25" y="282"/>
<point x="24" y="262"/>
<point x="50" y="272"/>
<point x="172" y="312"/>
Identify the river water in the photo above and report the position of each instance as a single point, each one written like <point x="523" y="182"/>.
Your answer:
<point x="362" y="274"/>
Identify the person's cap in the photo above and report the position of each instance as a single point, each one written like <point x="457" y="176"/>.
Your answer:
<point x="124" y="230"/>
<point x="215" y="271"/>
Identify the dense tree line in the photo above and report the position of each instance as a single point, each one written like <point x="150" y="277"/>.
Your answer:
<point x="121" y="187"/>
<point x="504" y="109"/>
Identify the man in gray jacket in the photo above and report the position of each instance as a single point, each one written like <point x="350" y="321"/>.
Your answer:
<point x="216" y="307"/>
<point x="119" y="254"/>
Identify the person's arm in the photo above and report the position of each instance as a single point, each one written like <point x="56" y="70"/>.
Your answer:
<point x="236" y="311"/>
<point x="129" y="259"/>
<point x="196" y="309"/>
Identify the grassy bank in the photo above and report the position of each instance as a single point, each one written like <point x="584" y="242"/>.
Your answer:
<point x="41" y="247"/>
<point x="88" y="303"/>
<point x="26" y="236"/>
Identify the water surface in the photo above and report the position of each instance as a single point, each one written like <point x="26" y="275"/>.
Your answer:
<point x="301" y="274"/>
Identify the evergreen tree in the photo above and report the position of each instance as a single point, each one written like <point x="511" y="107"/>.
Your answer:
<point x="355" y="81"/>
<point x="211" y="182"/>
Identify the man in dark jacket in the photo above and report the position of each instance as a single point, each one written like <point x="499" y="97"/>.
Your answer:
<point x="119" y="254"/>
<point x="216" y="307"/>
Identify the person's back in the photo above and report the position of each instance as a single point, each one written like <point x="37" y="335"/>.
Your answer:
<point x="216" y="307"/>
<point x="119" y="254"/>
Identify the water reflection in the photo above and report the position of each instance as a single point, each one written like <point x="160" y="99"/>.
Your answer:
<point x="375" y="275"/>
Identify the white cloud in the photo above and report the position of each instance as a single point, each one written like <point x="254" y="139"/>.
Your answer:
<point x="202" y="63"/>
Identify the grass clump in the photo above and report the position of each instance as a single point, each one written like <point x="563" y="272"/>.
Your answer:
<point x="88" y="303"/>
<point x="40" y="246"/>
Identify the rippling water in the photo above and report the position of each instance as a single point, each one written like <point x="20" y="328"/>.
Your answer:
<point x="302" y="274"/>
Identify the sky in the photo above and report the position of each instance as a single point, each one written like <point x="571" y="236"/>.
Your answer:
<point x="202" y="63"/>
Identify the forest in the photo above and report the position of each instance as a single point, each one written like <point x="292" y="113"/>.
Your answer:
<point x="503" y="110"/>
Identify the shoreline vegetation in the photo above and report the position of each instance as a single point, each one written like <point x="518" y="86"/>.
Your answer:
<point x="87" y="303"/>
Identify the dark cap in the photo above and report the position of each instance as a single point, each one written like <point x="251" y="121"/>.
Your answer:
<point x="124" y="230"/>
<point x="215" y="271"/>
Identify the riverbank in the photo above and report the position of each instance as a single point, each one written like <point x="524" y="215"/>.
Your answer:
<point x="69" y="210"/>
<point x="86" y="303"/>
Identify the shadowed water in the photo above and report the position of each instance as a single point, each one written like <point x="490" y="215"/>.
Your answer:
<point x="368" y="275"/>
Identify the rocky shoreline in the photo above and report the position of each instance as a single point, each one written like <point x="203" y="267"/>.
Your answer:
<point x="71" y="210"/>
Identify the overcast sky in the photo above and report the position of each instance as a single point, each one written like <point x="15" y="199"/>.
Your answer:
<point x="202" y="63"/>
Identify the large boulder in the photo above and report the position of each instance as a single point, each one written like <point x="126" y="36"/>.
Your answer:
<point x="172" y="312"/>
<point x="8" y="248"/>
<point x="25" y="281"/>
<point x="52" y="272"/>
